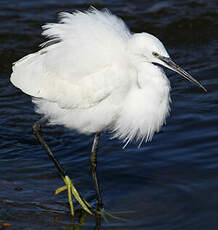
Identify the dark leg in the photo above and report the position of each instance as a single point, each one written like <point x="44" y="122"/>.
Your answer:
<point x="37" y="132"/>
<point x="93" y="165"/>
<point x="69" y="185"/>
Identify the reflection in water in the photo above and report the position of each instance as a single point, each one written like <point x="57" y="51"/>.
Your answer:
<point x="98" y="222"/>
<point x="49" y="210"/>
<point x="78" y="221"/>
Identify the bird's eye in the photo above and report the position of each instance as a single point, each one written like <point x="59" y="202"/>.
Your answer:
<point x="155" y="54"/>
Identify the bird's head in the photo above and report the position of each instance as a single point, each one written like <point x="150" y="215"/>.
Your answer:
<point x="147" y="48"/>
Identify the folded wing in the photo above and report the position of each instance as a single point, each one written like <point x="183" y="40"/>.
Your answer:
<point x="83" y="93"/>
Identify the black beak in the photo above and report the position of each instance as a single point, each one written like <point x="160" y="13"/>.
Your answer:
<point x="172" y="65"/>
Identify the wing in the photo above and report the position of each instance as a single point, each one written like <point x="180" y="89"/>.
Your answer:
<point x="83" y="93"/>
<point x="77" y="66"/>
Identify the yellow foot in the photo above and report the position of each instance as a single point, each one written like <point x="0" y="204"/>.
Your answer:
<point x="72" y="191"/>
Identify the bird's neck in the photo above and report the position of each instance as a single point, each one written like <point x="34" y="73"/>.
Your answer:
<point x="151" y="76"/>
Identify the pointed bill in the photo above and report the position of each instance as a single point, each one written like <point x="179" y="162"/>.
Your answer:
<point x="172" y="65"/>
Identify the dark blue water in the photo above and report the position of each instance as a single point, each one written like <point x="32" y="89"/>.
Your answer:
<point x="170" y="183"/>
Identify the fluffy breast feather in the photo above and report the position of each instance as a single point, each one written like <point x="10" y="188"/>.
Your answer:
<point x="146" y="106"/>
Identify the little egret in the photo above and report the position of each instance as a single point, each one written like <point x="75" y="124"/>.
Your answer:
<point x="94" y="75"/>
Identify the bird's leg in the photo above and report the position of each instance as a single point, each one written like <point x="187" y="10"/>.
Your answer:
<point x="37" y="132"/>
<point x="69" y="185"/>
<point x="93" y="165"/>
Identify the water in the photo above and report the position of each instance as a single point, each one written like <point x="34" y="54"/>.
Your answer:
<point x="170" y="183"/>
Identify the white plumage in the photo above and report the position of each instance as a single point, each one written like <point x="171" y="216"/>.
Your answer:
<point x="94" y="74"/>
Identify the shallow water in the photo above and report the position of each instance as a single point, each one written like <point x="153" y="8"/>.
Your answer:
<point x="170" y="183"/>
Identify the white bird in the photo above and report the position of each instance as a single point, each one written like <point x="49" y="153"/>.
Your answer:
<point x="94" y="75"/>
